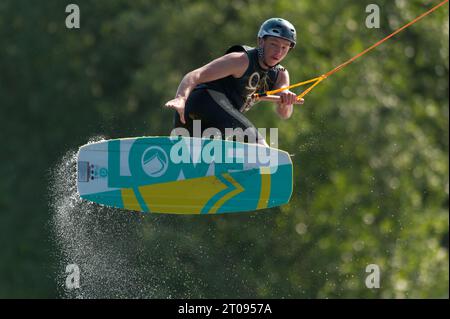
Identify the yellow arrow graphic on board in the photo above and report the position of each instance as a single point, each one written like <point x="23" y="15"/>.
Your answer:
<point x="183" y="197"/>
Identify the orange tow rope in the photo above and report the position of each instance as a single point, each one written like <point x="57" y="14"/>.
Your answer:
<point x="341" y="66"/>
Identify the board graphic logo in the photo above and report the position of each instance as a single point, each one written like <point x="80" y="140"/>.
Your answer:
<point x="103" y="172"/>
<point x="155" y="161"/>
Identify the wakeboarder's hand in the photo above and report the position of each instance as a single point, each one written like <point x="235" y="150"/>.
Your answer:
<point x="178" y="105"/>
<point x="288" y="98"/>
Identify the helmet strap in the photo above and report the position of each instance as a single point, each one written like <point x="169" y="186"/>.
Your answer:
<point x="261" y="53"/>
<point x="262" y="58"/>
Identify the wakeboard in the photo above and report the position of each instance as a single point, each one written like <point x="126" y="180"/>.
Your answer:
<point x="180" y="175"/>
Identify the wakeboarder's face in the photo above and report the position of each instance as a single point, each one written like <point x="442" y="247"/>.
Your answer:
<point x="275" y="49"/>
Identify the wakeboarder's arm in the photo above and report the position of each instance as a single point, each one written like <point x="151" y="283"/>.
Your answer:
<point x="234" y="64"/>
<point x="287" y="98"/>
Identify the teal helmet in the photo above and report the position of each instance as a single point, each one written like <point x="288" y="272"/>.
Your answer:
<point x="280" y="28"/>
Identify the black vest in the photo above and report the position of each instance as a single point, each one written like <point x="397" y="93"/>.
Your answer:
<point x="254" y="80"/>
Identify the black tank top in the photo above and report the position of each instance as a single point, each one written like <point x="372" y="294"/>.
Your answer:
<point x="254" y="80"/>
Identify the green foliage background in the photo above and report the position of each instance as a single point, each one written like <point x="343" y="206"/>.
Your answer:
<point x="370" y="144"/>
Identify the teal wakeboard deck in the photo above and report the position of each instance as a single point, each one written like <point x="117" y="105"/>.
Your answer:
<point x="180" y="175"/>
